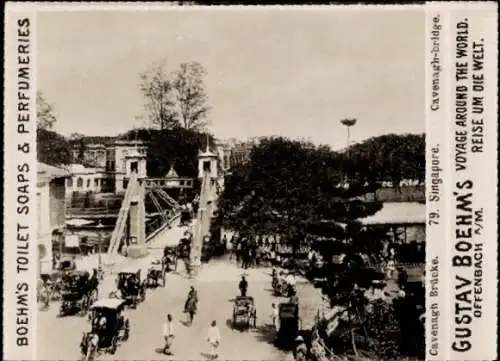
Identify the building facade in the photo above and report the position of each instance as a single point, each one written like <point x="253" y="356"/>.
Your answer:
<point x="51" y="211"/>
<point x="171" y="180"/>
<point x="121" y="150"/>
<point x="84" y="180"/>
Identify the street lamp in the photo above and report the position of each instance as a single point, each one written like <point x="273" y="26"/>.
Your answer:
<point x="99" y="234"/>
<point x="348" y="124"/>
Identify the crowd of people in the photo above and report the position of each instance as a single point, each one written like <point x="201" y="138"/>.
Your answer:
<point x="255" y="251"/>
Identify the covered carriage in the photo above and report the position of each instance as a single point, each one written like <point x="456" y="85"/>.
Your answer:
<point x="156" y="274"/>
<point x="289" y="325"/>
<point x="170" y="256"/>
<point x="131" y="287"/>
<point x="109" y="327"/>
<point x="244" y="313"/>
<point x="78" y="292"/>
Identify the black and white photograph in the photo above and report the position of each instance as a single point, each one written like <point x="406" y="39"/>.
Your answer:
<point x="231" y="183"/>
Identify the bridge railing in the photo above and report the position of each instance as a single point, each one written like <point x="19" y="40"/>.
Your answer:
<point x="155" y="233"/>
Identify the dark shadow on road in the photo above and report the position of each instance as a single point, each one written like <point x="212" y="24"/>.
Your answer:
<point x="159" y="350"/>
<point x="206" y="356"/>
<point x="265" y="333"/>
<point x="236" y="328"/>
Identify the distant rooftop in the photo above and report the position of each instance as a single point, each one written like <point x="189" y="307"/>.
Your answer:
<point x="129" y="142"/>
<point x="172" y="173"/>
<point x="46" y="173"/>
<point x="81" y="169"/>
<point x="96" y="145"/>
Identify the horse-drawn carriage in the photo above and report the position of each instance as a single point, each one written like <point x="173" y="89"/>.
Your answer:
<point x="131" y="287"/>
<point x="78" y="292"/>
<point x="156" y="274"/>
<point x="289" y="325"/>
<point x="109" y="328"/>
<point x="244" y="313"/>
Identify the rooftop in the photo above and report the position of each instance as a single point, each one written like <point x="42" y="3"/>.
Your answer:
<point x="129" y="142"/>
<point x="46" y="173"/>
<point x="172" y="173"/>
<point x="81" y="169"/>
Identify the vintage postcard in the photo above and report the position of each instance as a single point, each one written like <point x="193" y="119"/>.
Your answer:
<point x="310" y="183"/>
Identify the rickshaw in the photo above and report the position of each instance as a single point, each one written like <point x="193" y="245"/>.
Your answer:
<point x="279" y="284"/>
<point x="170" y="256"/>
<point x="156" y="272"/>
<point x="77" y="293"/>
<point x="53" y="284"/>
<point x="67" y="265"/>
<point x="289" y="325"/>
<point x="109" y="327"/>
<point x="131" y="287"/>
<point x="244" y="313"/>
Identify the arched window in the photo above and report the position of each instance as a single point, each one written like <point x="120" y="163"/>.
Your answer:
<point x="79" y="182"/>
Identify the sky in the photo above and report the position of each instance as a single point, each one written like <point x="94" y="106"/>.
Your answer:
<point x="291" y="72"/>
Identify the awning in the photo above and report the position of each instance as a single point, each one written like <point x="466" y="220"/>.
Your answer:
<point x="398" y="213"/>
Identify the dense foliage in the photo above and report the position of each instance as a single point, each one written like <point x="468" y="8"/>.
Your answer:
<point x="289" y="184"/>
<point x="52" y="148"/>
<point x="388" y="157"/>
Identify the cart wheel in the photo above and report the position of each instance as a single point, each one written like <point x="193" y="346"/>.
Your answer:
<point x="91" y="351"/>
<point x="126" y="334"/>
<point x="114" y="346"/>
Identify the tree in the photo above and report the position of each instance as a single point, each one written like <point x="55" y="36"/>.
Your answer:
<point x="191" y="95"/>
<point x="45" y="115"/>
<point x="77" y="142"/>
<point x="287" y="185"/>
<point x="52" y="148"/>
<point x="388" y="157"/>
<point x="178" y="99"/>
<point x="159" y="101"/>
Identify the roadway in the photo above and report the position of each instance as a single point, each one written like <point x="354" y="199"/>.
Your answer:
<point x="59" y="338"/>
